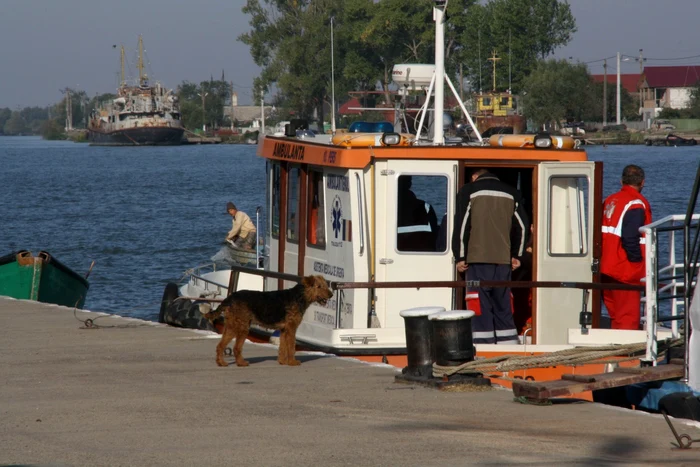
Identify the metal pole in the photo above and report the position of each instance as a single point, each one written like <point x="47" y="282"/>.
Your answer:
<point x="618" y="88"/>
<point x="332" y="83"/>
<point x="262" y="111"/>
<point x="439" y="18"/>
<point x="605" y="92"/>
<point x="257" y="229"/>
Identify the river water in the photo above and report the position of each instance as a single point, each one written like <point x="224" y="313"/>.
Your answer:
<point x="147" y="214"/>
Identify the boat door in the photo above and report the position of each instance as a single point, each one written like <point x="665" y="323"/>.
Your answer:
<point x="418" y="214"/>
<point x="564" y="245"/>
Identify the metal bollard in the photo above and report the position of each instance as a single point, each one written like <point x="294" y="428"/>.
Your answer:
<point x="452" y="337"/>
<point x="419" y="342"/>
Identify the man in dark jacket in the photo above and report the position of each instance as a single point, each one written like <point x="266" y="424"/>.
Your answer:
<point x="490" y="234"/>
<point x="416" y="220"/>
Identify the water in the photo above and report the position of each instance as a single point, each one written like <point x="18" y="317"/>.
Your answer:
<point x="147" y="214"/>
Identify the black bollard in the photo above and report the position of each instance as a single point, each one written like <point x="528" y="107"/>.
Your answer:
<point x="419" y="345"/>
<point x="452" y="337"/>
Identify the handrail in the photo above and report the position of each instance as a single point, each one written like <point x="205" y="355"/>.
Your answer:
<point x="477" y="284"/>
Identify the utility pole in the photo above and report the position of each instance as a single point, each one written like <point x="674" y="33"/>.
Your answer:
<point x="262" y="111"/>
<point x="605" y="91"/>
<point x="332" y="84"/>
<point x="618" y="88"/>
<point x="69" y="109"/>
<point x="203" y="95"/>
<point x="641" y="72"/>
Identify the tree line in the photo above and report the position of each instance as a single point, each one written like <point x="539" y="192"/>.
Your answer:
<point x="50" y="121"/>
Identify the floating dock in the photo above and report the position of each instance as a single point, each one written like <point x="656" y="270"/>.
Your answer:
<point x="131" y="392"/>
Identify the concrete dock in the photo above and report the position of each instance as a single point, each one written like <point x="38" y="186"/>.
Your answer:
<point x="139" y="393"/>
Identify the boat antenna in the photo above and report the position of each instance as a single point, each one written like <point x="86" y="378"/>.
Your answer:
<point x="439" y="79"/>
<point x="494" y="58"/>
<point x="479" y="40"/>
<point x="510" y="62"/>
<point x="332" y="83"/>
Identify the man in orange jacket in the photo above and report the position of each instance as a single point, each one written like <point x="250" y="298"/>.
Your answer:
<point x="624" y="213"/>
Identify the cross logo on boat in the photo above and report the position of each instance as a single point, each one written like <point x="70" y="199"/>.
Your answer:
<point x="336" y="216"/>
<point x="342" y="228"/>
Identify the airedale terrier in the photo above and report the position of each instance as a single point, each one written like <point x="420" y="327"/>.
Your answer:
<point x="278" y="309"/>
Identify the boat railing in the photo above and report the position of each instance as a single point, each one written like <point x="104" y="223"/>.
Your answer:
<point x="196" y="278"/>
<point x="670" y="279"/>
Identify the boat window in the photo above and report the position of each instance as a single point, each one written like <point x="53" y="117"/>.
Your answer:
<point x="487" y="101"/>
<point x="504" y="101"/>
<point x="568" y="216"/>
<point x="293" y="205"/>
<point x="421" y="216"/>
<point x="316" y="228"/>
<point x="275" y="209"/>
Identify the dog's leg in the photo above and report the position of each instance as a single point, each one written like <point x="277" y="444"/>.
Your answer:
<point x="282" y="353"/>
<point x="241" y="335"/>
<point x="226" y="338"/>
<point x="291" y="346"/>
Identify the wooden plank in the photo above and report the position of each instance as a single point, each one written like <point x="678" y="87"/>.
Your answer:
<point x="542" y="390"/>
<point x="579" y="378"/>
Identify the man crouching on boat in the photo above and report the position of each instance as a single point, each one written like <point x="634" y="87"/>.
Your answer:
<point x="243" y="232"/>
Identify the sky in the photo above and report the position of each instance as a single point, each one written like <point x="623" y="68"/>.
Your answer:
<point x="48" y="45"/>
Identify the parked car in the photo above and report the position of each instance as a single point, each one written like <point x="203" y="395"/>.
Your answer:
<point x="660" y="124"/>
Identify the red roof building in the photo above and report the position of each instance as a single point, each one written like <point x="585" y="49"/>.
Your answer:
<point x="629" y="81"/>
<point x="669" y="86"/>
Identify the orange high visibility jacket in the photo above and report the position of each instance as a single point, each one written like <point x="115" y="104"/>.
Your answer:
<point x="621" y="219"/>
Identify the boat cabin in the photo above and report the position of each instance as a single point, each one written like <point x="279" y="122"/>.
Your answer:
<point x="337" y="211"/>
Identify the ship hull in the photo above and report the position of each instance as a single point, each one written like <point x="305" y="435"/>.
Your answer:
<point x="137" y="136"/>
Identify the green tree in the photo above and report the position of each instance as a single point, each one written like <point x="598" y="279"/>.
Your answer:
<point x="520" y="31"/>
<point x="558" y="91"/>
<point x="52" y="130"/>
<point x="694" y="107"/>
<point x="190" y="97"/>
<point x="291" y="43"/>
<point x="5" y="115"/>
<point x="15" y="125"/>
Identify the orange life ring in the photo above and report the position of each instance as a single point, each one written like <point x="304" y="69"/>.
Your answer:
<point x="528" y="141"/>
<point x="368" y="139"/>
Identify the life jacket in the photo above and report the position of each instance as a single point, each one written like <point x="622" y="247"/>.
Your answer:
<point x="614" y="262"/>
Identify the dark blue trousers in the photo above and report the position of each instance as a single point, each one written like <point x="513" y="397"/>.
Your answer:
<point x="495" y="325"/>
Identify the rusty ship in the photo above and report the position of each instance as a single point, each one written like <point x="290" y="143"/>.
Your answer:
<point x="140" y="114"/>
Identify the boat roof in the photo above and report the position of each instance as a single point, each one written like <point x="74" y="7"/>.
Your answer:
<point x="307" y="152"/>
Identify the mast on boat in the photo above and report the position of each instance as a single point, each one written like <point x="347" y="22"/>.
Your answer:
<point x="142" y="75"/>
<point x="121" y="82"/>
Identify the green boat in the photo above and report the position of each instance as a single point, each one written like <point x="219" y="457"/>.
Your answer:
<point x="42" y="278"/>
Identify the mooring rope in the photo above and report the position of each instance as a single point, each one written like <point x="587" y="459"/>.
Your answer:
<point x="567" y="357"/>
<point x="89" y="323"/>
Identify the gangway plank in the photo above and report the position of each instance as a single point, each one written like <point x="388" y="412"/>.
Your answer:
<point x="568" y="385"/>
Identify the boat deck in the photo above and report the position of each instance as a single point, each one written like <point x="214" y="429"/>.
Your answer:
<point x="139" y="393"/>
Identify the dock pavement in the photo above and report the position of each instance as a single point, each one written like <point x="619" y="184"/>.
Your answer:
<point x="133" y="392"/>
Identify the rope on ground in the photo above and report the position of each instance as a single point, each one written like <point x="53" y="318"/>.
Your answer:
<point x="89" y="323"/>
<point x="567" y="357"/>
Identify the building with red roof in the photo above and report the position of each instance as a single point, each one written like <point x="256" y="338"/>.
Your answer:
<point x="669" y="86"/>
<point x="628" y="81"/>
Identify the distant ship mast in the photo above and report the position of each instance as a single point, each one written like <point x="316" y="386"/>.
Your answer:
<point x="122" y="82"/>
<point x="494" y="58"/>
<point x="142" y="76"/>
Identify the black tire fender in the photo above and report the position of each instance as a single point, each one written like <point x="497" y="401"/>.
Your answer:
<point x="169" y="296"/>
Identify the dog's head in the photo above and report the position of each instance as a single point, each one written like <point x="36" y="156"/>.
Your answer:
<point x="316" y="289"/>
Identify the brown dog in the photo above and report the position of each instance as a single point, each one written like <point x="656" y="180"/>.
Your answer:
<point x="279" y="309"/>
